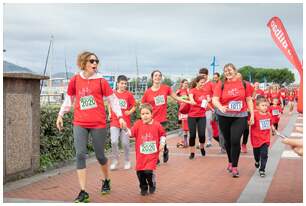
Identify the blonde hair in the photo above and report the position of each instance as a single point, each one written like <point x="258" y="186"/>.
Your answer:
<point x="146" y="106"/>
<point x="83" y="58"/>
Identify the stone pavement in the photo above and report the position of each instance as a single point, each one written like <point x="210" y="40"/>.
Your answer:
<point x="181" y="180"/>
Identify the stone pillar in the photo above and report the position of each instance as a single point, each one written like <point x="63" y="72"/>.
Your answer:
<point x="21" y="124"/>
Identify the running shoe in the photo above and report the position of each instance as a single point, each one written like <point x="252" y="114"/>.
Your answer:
<point x="82" y="197"/>
<point x="114" y="164"/>
<point x="256" y="164"/>
<point x="144" y="192"/>
<point x="262" y="173"/>
<point x="235" y="172"/>
<point x="244" y="148"/>
<point x="166" y="155"/>
<point x="191" y="156"/>
<point x="106" y="188"/>
<point x="229" y="167"/>
<point x="208" y="144"/>
<point x="203" y="152"/>
<point x="152" y="189"/>
<point x="127" y="165"/>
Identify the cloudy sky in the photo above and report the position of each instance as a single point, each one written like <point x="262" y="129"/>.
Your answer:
<point x="176" y="38"/>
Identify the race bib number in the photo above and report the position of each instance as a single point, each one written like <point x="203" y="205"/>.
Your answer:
<point x="183" y="116"/>
<point x="264" y="124"/>
<point x="204" y="103"/>
<point x="159" y="100"/>
<point x="275" y="112"/>
<point x="123" y="104"/>
<point x="148" y="147"/>
<point x="235" y="105"/>
<point x="87" y="102"/>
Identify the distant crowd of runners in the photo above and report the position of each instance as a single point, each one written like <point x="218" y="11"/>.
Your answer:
<point x="225" y="110"/>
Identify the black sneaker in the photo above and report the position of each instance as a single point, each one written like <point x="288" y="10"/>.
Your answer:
<point x="82" y="197"/>
<point x="262" y="173"/>
<point x="257" y="164"/>
<point x="144" y="192"/>
<point x="191" y="156"/>
<point x="152" y="189"/>
<point x="166" y="155"/>
<point x="105" y="187"/>
<point x="203" y="152"/>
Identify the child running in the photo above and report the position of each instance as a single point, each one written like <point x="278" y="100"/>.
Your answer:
<point x="150" y="139"/>
<point x="275" y="110"/>
<point x="127" y="105"/>
<point x="260" y="134"/>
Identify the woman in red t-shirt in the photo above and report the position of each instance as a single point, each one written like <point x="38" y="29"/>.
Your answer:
<point x="157" y="97"/>
<point x="200" y="100"/>
<point x="291" y="98"/>
<point x="85" y="92"/>
<point x="274" y="93"/>
<point x="232" y="100"/>
<point x="183" y="93"/>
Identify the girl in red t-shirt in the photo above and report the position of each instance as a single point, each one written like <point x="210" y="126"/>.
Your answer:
<point x="183" y="93"/>
<point x="157" y="96"/>
<point x="233" y="98"/>
<point x="128" y="106"/>
<point x="150" y="138"/>
<point x="275" y="111"/>
<point x="200" y="100"/>
<point x="260" y="134"/>
<point x="291" y="98"/>
<point x="85" y="92"/>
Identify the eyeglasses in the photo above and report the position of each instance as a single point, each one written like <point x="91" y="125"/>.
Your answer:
<point x="94" y="60"/>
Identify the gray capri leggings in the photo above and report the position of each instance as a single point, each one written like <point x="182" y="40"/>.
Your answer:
<point x="80" y="135"/>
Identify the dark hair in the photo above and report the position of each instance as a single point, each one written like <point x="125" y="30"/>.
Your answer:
<point x="182" y="82"/>
<point x="122" y="78"/>
<point x="260" y="99"/>
<point x="216" y="73"/>
<point x="152" y="74"/>
<point x="203" y="71"/>
<point x="196" y="80"/>
<point x="146" y="106"/>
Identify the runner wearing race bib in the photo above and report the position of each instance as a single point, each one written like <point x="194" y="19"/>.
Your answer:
<point x="85" y="92"/>
<point x="149" y="139"/>
<point x="275" y="111"/>
<point x="233" y="99"/>
<point x="260" y="134"/>
<point x="128" y="105"/>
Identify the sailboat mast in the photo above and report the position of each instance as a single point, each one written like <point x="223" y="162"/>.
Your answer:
<point x="42" y="81"/>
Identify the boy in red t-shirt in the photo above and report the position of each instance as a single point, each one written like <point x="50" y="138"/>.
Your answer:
<point x="275" y="110"/>
<point x="260" y="134"/>
<point x="150" y="139"/>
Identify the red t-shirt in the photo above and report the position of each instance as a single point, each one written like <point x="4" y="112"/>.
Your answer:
<point x="266" y="93"/>
<point x="275" y="112"/>
<point x="260" y="130"/>
<point x="89" y="111"/>
<point x="234" y="95"/>
<point x="273" y="95"/>
<point x="147" y="138"/>
<point x="158" y="100"/>
<point x="291" y="98"/>
<point x="183" y="93"/>
<point x="126" y="102"/>
<point x="200" y="97"/>
<point x="283" y="93"/>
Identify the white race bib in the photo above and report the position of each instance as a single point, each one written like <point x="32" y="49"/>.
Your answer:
<point x="123" y="104"/>
<point x="235" y="105"/>
<point x="159" y="100"/>
<point x="275" y="112"/>
<point x="87" y="102"/>
<point x="264" y="124"/>
<point x="204" y="103"/>
<point x="183" y="116"/>
<point x="148" y="147"/>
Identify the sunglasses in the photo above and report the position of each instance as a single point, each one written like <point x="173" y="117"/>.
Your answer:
<point x="94" y="60"/>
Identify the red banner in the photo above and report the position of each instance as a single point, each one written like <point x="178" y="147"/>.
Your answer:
<point x="281" y="38"/>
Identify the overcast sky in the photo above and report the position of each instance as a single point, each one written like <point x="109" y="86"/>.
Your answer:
<point x="176" y="38"/>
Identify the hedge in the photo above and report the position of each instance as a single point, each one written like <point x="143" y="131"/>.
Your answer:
<point x="56" y="148"/>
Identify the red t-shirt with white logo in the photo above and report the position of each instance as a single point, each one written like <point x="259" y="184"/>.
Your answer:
<point x="89" y="111"/>
<point x="275" y="111"/>
<point x="147" y="138"/>
<point x="234" y="95"/>
<point x="126" y="102"/>
<point x="200" y="97"/>
<point x="260" y="130"/>
<point x="158" y="100"/>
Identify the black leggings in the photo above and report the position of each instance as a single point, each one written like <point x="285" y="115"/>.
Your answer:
<point x="275" y="125"/>
<point x="232" y="129"/>
<point x="246" y="135"/>
<point x="193" y="124"/>
<point x="261" y="154"/>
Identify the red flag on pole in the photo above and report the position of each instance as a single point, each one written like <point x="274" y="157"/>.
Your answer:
<point x="281" y="38"/>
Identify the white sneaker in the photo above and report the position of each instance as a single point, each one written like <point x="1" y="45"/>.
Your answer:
<point x="114" y="164"/>
<point x="127" y="165"/>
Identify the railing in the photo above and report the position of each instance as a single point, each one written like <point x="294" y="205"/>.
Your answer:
<point x="51" y="99"/>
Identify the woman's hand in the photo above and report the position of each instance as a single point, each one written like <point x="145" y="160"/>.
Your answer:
<point x="223" y="109"/>
<point x="251" y="122"/>
<point x="127" y="113"/>
<point x="296" y="145"/>
<point x="59" y="123"/>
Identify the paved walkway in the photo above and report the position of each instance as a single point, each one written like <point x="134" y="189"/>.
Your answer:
<point x="181" y="180"/>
